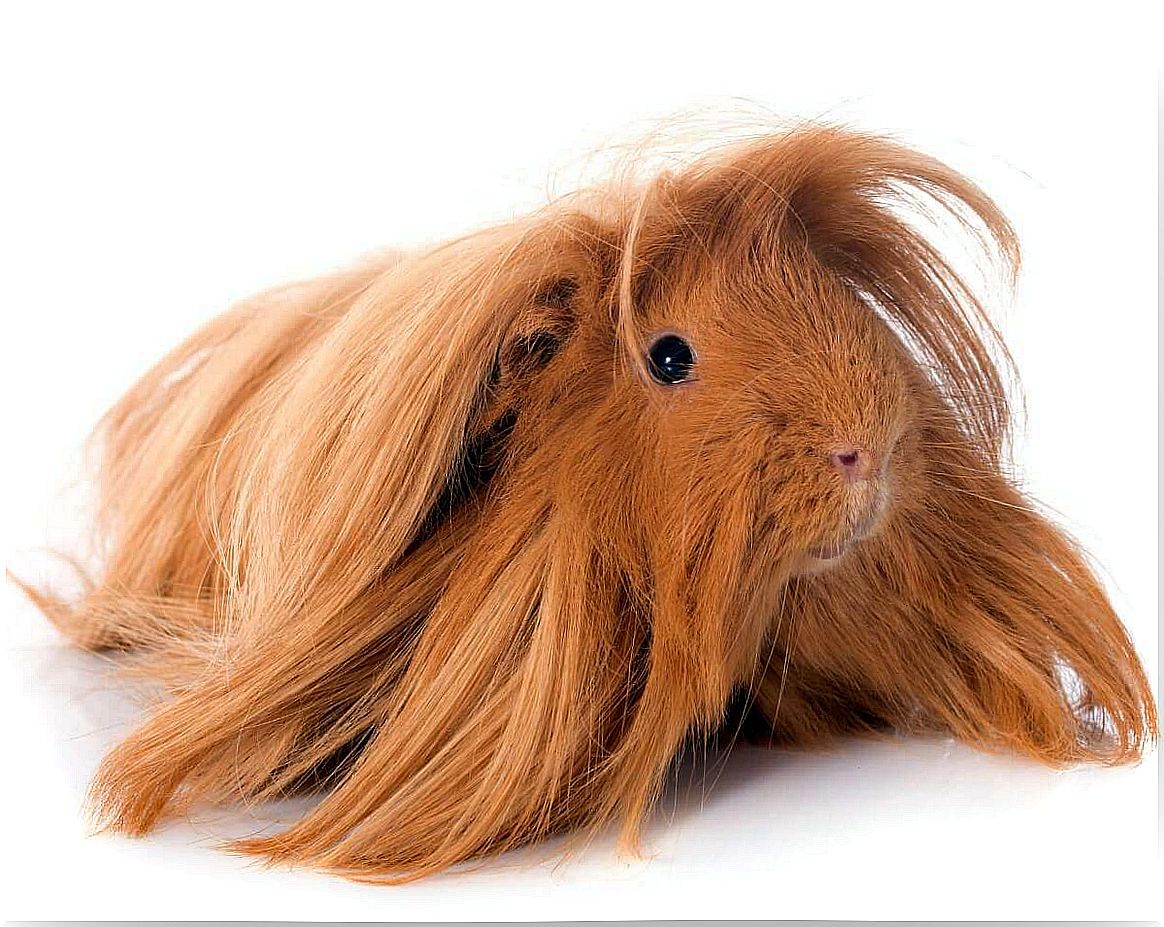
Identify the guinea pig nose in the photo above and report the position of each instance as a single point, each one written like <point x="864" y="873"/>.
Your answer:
<point x="853" y="463"/>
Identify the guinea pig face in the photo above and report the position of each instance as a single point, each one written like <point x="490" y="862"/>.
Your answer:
<point x="785" y="382"/>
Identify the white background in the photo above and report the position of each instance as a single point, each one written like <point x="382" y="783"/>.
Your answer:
<point x="160" y="163"/>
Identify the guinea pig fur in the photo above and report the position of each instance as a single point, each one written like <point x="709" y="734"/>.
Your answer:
<point x="473" y="540"/>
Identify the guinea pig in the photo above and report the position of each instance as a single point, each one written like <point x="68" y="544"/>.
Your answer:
<point x="472" y="540"/>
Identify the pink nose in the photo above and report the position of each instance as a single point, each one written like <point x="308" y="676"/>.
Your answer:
<point x="853" y="463"/>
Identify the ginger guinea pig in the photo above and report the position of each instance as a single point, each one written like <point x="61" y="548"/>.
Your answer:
<point x="472" y="540"/>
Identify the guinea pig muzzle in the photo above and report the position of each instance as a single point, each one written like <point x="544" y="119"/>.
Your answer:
<point x="866" y="497"/>
<point x="857" y="530"/>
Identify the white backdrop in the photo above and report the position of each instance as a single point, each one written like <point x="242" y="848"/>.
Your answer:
<point x="160" y="162"/>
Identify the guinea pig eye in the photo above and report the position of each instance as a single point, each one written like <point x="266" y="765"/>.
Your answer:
<point x="670" y="360"/>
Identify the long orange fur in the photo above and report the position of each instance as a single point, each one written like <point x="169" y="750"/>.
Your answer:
<point x="426" y="536"/>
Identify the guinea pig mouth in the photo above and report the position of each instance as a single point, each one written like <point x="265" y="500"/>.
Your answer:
<point x="825" y="555"/>
<point x="827" y="552"/>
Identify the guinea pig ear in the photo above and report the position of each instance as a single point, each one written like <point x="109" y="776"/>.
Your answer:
<point x="970" y="614"/>
<point x="531" y="341"/>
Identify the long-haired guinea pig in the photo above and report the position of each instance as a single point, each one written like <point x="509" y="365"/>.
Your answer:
<point x="473" y="540"/>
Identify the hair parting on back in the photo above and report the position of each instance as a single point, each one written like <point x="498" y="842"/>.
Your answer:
<point x="371" y="544"/>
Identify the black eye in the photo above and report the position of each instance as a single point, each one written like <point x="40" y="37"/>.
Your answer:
<point x="670" y="360"/>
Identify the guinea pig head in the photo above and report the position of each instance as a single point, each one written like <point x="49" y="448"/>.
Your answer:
<point x="781" y="331"/>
